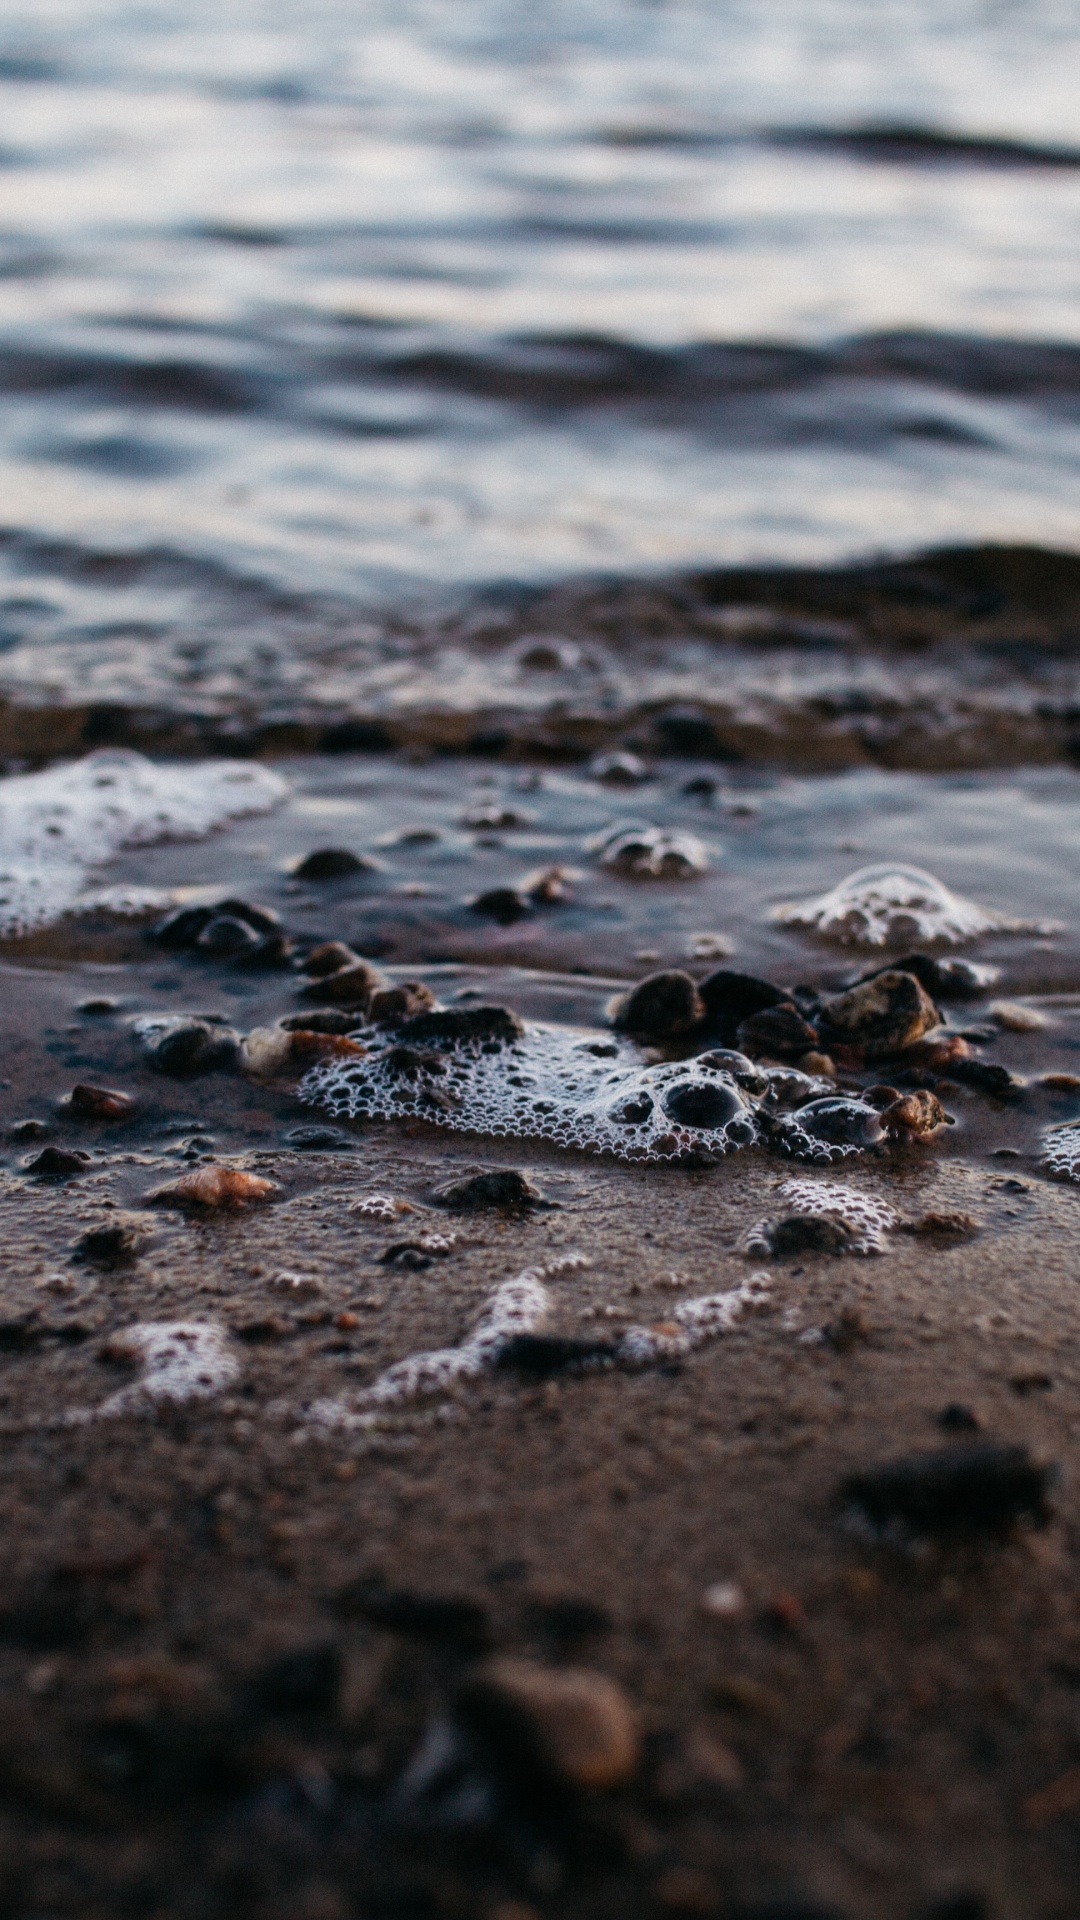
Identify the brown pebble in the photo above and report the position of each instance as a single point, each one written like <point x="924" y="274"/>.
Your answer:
<point x="390" y="1005"/>
<point x="915" y="1114"/>
<point x="58" y="1163"/>
<point x="331" y="957"/>
<point x="572" y="1723"/>
<point x="1060" y="1082"/>
<point x="943" y="1224"/>
<point x="212" y="1187"/>
<point x="883" y="1016"/>
<point x="821" y="1064"/>
<point x="777" y="1033"/>
<point x="350" y="986"/>
<point x="100" y="1103"/>
<point x="661" y="1007"/>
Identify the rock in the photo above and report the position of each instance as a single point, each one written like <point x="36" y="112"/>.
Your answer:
<point x="956" y="1418"/>
<point x="653" y="853"/>
<point x="183" y="929"/>
<point x="99" y="1007"/>
<point x="262" y="919"/>
<point x="100" y="1103"/>
<point x="273" y="950"/>
<point x="58" y="1163"/>
<point x="882" y="1017"/>
<point x="570" y="1725"/>
<point x="810" y="1233"/>
<point x="268" y="1051"/>
<point x="986" y="1076"/>
<point x="391" y="1006"/>
<point x="330" y="957"/>
<point x="213" y="1187"/>
<point x="548" y="887"/>
<point x="330" y="1020"/>
<point x="350" y="986"/>
<point x="1014" y="1017"/>
<point x="541" y="1356"/>
<point x="820" y="1065"/>
<point x="115" y="1244"/>
<point x="840" y="1122"/>
<point x="414" y="1063"/>
<point x="618" y="769"/>
<point x="490" y="816"/>
<point x="701" y="1103"/>
<point x="729" y="998"/>
<point x="966" y="1489"/>
<point x="942" y="979"/>
<point x="501" y="904"/>
<point x="778" y="1033"/>
<point x="184" y="1045"/>
<point x="332" y="863"/>
<point x="463" y="1026"/>
<point x="497" y="1187"/>
<point x="914" y="1114"/>
<point x="660" y="1007"/>
<point x="316" y="1139"/>
<point x="22" y="1130"/>
<point x="226" y="937"/>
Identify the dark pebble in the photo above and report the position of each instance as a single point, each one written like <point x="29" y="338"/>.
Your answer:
<point x="180" y="930"/>
<point x="504" y="905"/>
<point x="391" y="1006"/>
<point x="701" y="1103"/>
<point x="688" y="732"/>
<point x="965" y="1489"/>
<point x="986" y="1076"/>
<point x="114" y="1245"/>
<point x="328" y="1020"/>
<point x="779" y="1032"/>
<point x="58" y="1163"/>
<point x="100" y="1103"/>
<point x="730" y="998"/>
<point x="501" y="1187"/>
<point x="99" y="1008"/>
<point x="882" y="1016"/>
<point x="261" y="919"/>
<point x="660" y="1007"/>
<point x="272" y="950"/>
<point x="316" y="1139"/>
<point x="463" y="1026"/>
<point x="192" y="1047"/>
<point x="330" y="957"/>
<point x="413" y="1063"/>
<point x="409" y="1255"/>
<point x="803" y="1233"/>
<point x="942" y="979"/>
<point x="839" y="1122"/>
<point x="444" y="1619"/>
<point x="28" y="1130"/>
<point x="225" y="936"/>
<point x="350" y="986"/>
<point x="541" y="1356"/>
<point x="701" y="787"/>
<point x="332" y="863"/>
<point x="956" y="1418"/>
<point x="305" y="1681"/>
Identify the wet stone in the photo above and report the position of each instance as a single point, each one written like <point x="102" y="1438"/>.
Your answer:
<point x="702" y="1103"/>
<point x="211" y="1188"/>
<point x="32" y="1129"/>
<point x="225" y="937"/>
<point x="809" y="1233"/>
<point x="883" y="1016"/>
<point x="58" y="1163"/>
<point x="187" y="1046"/>
<point x="332" y="863"/>
<point x="778" y="1032"/>
<point x="413" y="1063"/>
<point x="541" y="1356"/>
<point x="350" y="986"/>
<point x="113" y="1245"/>
<point x="569" y="1725"/>
<point x="504" y="905"/>
<point x="840" y="1122"/>
<point x="986" y="1076"/>
<point x="942" y="979"/>
<point x="100" y="1103"/>
<point x="966" y="1489"/>
<point x="499" y="1187"/>
<point x="464" y="1026"/>
<point x="391" y="1006"/>
<point x="331" y="1020"/>
<point x="914" y="1115"/>
<point x="660" y="1007"/>
<point x="652" y="853"/>
<point x="958" y="1418"/>
<point x="618" y="769"/>
<point x="98" y="1008"/>
<point x="328" y="958"/>
<point x="317" y="1139"/>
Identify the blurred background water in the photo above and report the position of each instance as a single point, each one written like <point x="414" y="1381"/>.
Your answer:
<point x="370" y="299"/>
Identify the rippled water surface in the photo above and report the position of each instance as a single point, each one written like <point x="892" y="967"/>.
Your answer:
<point x="374" y="300"/>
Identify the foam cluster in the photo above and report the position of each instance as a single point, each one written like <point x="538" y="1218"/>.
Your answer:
<point x="1062" y="1156"/>
<point x="549" y="1083"/>
<point x="865" y="1220"/>
<point x="893" y="906"/>
<point x="177" y="1360"/>
<point x="57" y="827"/>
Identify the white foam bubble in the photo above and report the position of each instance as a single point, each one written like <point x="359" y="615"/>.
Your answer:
<point x="57" y="827"/>
<point x="866" y="1219"/>
<point x="894" y="906"/>
<point x="178" y="1361"/>
<point x="651" y="853"/>
<point x="551" y="1083"/>
<point x="1062" y="1156"/>
<point x="692" y="1323"/>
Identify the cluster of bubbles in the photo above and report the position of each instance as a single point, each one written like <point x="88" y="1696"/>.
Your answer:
<point x="894" y="906"/>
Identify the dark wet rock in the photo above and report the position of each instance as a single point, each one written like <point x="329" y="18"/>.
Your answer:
<point x="187" y="1046"/>
<point x="569" y="1726"/>
<point x="327" y="1020"/>
<point x="58" y="1163"/>
<point x="809" y="1233"/>
<point x="965" y="1489"/>
<point x="413" y="1063"/>
<point x="741" y="1069"/>
<point x="225" y="937"/>
<point x="272" y="951"/>
<point x="882" y="1017"/>
<point x="914" y="1115"/>
<point x="261" y="919"/>
<point x="729" y="998"/>
<point x="350" y="986"/>
<point x="446" y="1620"/>
<point x="332" y="863"/>
<point x="660" y="1007"/>
<point x="777" y="1033"/>
<point x="392" y="1006"/>
<point x="99" y="1007"/>
<point x="943" y="1226"/>
<point x="180" y="929"/>
<point x="330" y="957"/>
<point x="840" y="1122"/>
<point x="415" y="1256"/>
<point x="116" y="1244"/>
<point x="540" y="1356"/>
<point x="880" y="1096"/>
<point x="504" y="905"/>
<point x="305" y="1681"/>
<point x="688" y="732"/>
<point x="317" y="1139"/>
<point x="701" y="1103"/>
<point x="495" y="1187"/>
<point x="957" y="1418"/>
<point x="99" y="1103"/>
<point x="986" y="1076"/>
<point x="23" y="1130"/>
<point x="463" y="1026"/>
<point x="942" y="979"/>
<point x="618" y="769"/>
<point x="701" y="787"/>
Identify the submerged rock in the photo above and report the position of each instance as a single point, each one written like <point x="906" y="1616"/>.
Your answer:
<point x="58" y="1163"/>
<point x="186" y="928"/>
<point x="661" y="1007"/>
<point x="333" y="863"/>
<point x="964" y="1489"/>
<point x="330" y="957"/>
<point x="118" y="1243"/>
<point x="778" y="1032"/>
<point x="504" y="905"/>
<point x="212" y="1188"/>
<point x="881" y="1017"/>
<point x="100" y="1103"/>
<point x="497" y="1187"/>
<point x="184" y="1045"/>
<point x="653" y="853"/>
<point x="570" y="1725"/>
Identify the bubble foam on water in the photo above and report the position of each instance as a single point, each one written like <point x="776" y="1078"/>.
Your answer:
<point x="551" y="1083"/>
<point x="1061" y="1159"/>
<point x="895" y="906"/>
<point x="866" y="1219"/>
<point x="178" y="1361"/>
<point x="57" y="826"/>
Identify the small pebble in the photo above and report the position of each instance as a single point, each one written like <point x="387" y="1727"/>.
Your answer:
<point x="349" y="986"/>
<point x="498" y="1187"/>
<point x="914" y="1115"/>
<point x="883" y="1016"/>
<point x="653" y="853"/>
<point x="660" y="1007"/>
<point x="100" y="1103"/>
<point x="957" y="1418"/>
<point x="489" y="816"/>
<point x="967" y="1489"/>
<point x="332" y="863"/>
<point x="463" y="1026"/>
<point x="330" y="957"/>
<point x="724" y="1600"/>
<point x="504" y="905"/>
<point x="572" y="1724"/>
<point x="22" y="1130"/>
<point x="323" y="1020"/>
<point x="317" y="1139"/>
<point x="820" y="1064"/>
<point x="391" y="1006"/>
<point x="1060" y="1082"/>
<point x="58" y="1163"/>
<point x="98" y="1008"/>
<point x="777" y="1033"/>
<point x="113" y="1245"/>
<point x="185" y="1045"/>
<point x="1014" y="1017"/>
<point x="213" y="1187"/>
